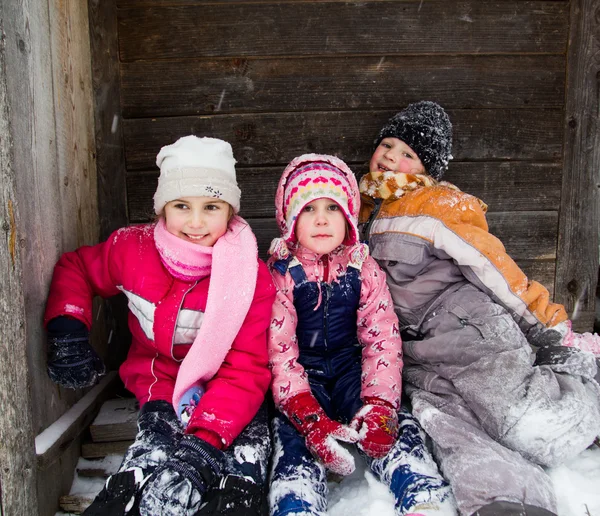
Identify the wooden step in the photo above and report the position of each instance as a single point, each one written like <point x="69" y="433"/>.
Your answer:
<point x="116" y="421"/>
<point x="91" y="450"/>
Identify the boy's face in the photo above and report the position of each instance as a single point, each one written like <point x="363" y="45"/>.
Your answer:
<point x="393" y="155"/>
<point x="200" y="220"/>
<point x="321" y="226"/>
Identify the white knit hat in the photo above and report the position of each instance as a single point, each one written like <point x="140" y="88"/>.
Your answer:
<point x="196" y="167"/>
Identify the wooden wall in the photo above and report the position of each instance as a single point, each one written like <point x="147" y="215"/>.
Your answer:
<point x="49" y="205"/>
<point x="277" y="79"/>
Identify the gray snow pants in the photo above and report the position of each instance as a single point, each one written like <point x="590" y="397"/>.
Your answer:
<point x="495" y="418"/>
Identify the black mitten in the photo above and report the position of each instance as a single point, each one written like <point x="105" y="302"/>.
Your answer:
<point x="117" y="497"/>
<point x="235" y="496"/>
<point x="72" y="362"/>
<point x="178" y="486"/>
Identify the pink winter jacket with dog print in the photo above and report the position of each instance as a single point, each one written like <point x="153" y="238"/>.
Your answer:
<point x="377" y="329"/>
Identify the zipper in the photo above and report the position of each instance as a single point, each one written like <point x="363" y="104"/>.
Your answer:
<point x="371" y="219"/>
<point x="326" y="286"/>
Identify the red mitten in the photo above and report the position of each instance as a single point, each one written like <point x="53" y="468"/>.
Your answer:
<point x="321" y="433"/>
<point x="377" y="426"/>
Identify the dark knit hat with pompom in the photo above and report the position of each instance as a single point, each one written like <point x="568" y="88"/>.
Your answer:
<point x="425" y="127"/>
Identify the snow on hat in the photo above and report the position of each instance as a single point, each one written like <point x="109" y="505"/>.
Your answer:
<point x="316" y="176"/>
<point x="425" y="127"/>
<point x="192" y="166"/>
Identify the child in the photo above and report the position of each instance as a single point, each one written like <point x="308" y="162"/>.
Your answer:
<point x="335" y="352"/>
<point x="200" y="303"/>
<point x="467" y="313"/>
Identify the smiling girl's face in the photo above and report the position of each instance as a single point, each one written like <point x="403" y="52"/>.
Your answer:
<point x="393" y="155"/>
<point x="200" y="220"/>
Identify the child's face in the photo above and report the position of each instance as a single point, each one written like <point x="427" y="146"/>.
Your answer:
<point x="200" y="220"/>
<point x="321" y="226"/>
<point x="393" y="155"/>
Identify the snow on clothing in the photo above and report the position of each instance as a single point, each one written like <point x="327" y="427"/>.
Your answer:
<point x="299" y="483"/>
<point x="471" y="311"/>
<point x="166" y="313"/>
<point x="315" y="345"/>
<point x="362" y="331"/>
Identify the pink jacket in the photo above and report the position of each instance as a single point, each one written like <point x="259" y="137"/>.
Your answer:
<point x="164" y="318"/>
<point x="377" y="330"/>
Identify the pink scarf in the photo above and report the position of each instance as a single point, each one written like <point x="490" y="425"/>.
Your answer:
<point x="232" y="264"/>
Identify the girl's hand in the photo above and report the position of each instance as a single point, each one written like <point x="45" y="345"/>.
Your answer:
<point x="377" y="426"/>
<point x="72" y="362"/>
<point x="322" y="434"/>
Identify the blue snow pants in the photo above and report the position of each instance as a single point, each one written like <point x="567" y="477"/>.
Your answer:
<point x="299" y="481"/>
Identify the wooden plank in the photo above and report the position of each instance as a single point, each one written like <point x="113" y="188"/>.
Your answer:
<point x="142" y="3"/>
<point x="110" y="158"/>
<point x="76" y="503"/>
<point x="17" y="474"/>
<point x="292" y="29"/>
<point x="504" y="186"/>
<point x="577" y="266"/>
<point x="116" y="421"/>
<point x="510" y="186"/>
<point x="276" y="138"/>
<point x="542" y="271"/>
<point x="61" y="434"/>
<point x="166" y="88"/>
<point x="91" y="450"/>
<point x="526" y="235"/>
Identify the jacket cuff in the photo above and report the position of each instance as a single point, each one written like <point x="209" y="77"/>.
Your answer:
<point x="207" y="435"/>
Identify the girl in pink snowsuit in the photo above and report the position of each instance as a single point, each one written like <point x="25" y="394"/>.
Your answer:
<point x="200" y="303"/>
<point x="335" y="351"/>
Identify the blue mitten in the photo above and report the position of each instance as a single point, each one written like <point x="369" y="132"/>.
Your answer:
<point x="72" y="362"/>
<point x="178" y="486"/>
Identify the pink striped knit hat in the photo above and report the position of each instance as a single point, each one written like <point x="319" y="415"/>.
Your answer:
<point x="316" y="176"/>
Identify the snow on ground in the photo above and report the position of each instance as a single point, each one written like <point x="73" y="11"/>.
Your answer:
<point x="577" y="486"/>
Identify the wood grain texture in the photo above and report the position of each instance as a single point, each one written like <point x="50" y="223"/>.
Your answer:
<point x="504" y="186"/>
<point x="276" y="138"/>
<point x="17" y="474"/>
<point x="153" y="88"/>
<point x="110" y="158"/>
<point x="527" y="236"/>
<point x="577" y="268"/>
<point x="91" y="450"/>
<point x="291" y="29"/>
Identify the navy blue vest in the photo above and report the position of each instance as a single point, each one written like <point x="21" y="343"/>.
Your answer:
<point x="327" y="338"/>
<point x="329" y="349"/>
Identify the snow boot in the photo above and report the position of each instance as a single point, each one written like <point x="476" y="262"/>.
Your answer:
<point x="412" y="475"/>
<point x="159" y="432"/>
<point x="298" y="480"/>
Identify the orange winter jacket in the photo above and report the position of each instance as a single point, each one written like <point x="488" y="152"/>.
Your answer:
<point x="416" y="207"/>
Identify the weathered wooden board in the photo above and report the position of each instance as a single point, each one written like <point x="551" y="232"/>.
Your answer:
<point x="116" y="421"/>
<point x="110" y="160"/>
<point x="92" y="450"/>
<point x="76" y="503"/>
<point x="276" y="138"/>
<point x="308" y="28"/>
<point x="17" y="474"/>
<point x="577" y="270"/>
<point x="67" y="429"/>
<point x="526" y="235"/>
<point x="171" y="87"/>
<point x="504" y="186"/>
<point x="142" y="3"/>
